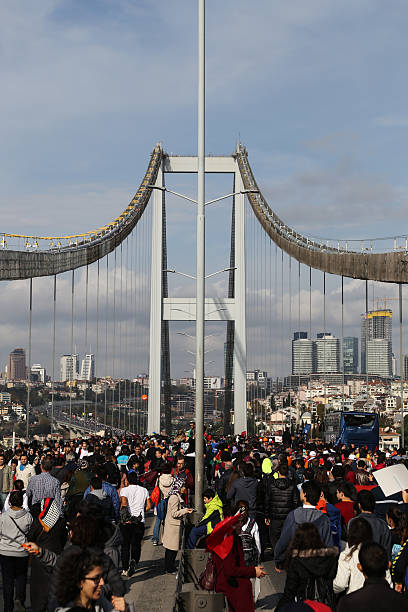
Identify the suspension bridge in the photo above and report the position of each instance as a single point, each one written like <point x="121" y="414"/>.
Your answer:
<point x="133" y="247"/>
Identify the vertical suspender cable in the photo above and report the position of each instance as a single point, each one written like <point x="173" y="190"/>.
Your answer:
<point x="114" y="340"/>
<point x="53" y="353"/>
<point x="310" y="334"/>
<point x="342" y="338"/>
<point x="73" y="363"/>
<point x="30" y="324"/>
<point x="120" y="334"/>
<point x="281" y="329"/>
<point x="401" y="367"/>
<point x="366" y="334"/>
<point x="324" y="342"/>
<point x="86" y="331"/>
<point x="106" y="337"/>
<point x="97" y="349"/>
<point x="290" y="335"/>
<point x="126" y="399"/>
<point x="298" y="393"/>
<point x="131" y="318"/>
<point x="276" y="317"/>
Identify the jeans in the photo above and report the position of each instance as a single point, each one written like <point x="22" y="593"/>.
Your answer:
<point x="3" y="497"/>
<point x="195" y="534"/>
<point x="169" y="560"/>
<point x="156" y="530"/>
<point x="14" y="572"/>
<point x="132" y="543"/>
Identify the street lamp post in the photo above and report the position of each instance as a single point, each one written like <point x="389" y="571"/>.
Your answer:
<point x="200" y="292"/>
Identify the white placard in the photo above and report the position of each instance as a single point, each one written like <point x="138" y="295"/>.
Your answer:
<point x="392" y="479"/>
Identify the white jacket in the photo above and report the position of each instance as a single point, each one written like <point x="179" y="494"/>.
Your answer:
<point x="348" y="577"/>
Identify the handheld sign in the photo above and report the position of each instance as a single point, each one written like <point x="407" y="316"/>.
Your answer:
<point x="392" y="479"/>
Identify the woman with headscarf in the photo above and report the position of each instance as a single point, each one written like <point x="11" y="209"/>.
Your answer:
<point x="172" y="524"/>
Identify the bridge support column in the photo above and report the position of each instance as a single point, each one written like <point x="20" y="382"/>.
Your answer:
<point x="240" y="414"/>
<point x="156" y="310"/>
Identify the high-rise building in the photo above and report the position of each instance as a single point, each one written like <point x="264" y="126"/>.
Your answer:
<point x="350" y="355"/>
<point x="69" y="365"/>
<point x="375" y="325"/>
<point x="38" y="373"/>
<point x="302" y="354"/>
<point x="326" y="354"/>
<point x="88" y="367"/>
<point x="17" y="365"/>
<point x="405" y="367"/>
<point x="379" y="357"/>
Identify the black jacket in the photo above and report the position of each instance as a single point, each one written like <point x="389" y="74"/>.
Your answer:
<point x="281" y="496"/>
<point x="383" y="503"/>
<point x="310" y="575"/>
<point x="377" y="595"/>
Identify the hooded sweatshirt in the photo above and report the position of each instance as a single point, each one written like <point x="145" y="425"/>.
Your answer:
<point x="293" y="520"/>
<point x="213" y="514"/>
<point x="14" y="526"/>
<point x="244" y="489"/>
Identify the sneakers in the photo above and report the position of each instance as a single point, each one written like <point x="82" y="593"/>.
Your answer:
<point x="124" y="573"/>
<point x="132" y="567"/>
<point x="155" y="543"/>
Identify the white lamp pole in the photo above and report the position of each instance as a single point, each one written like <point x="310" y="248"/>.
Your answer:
<point x="200" y="292"/>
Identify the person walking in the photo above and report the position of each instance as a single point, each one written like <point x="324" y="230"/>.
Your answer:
<point x="6" y="481"/>
<point x="310" y="567"/>
<point x="172" y="525"/>
<point x="164" y="484"/>
<point x="376" y="593"/>
<point x="349" y="578"/>
<point x="44" y="485"/>
<point x="14" y="526"/>
<point x="134" y="500"/>
<point x="25" y="470"/>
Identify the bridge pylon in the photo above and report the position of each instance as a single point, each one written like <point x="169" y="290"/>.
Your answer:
<point x="165" y="309"/>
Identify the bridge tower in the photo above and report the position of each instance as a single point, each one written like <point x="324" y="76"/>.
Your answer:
<point x="164" y="309"/>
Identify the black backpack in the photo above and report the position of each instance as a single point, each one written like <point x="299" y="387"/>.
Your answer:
<point x="251" y="553"/>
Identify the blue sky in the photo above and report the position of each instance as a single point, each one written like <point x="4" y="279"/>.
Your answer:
<point x="316" y="91"/>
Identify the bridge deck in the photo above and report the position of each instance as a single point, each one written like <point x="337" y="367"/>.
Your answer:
<point x="151" y="589"/>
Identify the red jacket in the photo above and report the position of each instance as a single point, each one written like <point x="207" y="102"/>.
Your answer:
<point x="232" y="571"/>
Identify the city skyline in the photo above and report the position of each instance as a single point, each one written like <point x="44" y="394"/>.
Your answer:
<point x="327" y="165"/>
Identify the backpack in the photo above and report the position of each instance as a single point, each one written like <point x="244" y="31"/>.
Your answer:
<point x="251" y="553"/>
<point x="162" y="508"/>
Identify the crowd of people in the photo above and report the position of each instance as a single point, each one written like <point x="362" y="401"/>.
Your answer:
<point x="73" y="521"/>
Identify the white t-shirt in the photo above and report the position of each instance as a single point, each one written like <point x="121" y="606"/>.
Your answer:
<point x="136" y="498"/>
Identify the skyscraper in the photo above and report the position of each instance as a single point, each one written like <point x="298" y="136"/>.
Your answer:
<point x="379" y="357"/>
<point x="88" y="367"/>
<point x="17" y="365"/>
<point x="302" y="354"/>
<point x="375" y="325"/>
<point x="350" y="355"/>
<point x="326" y="354"/>
<point x="69" y="365"/>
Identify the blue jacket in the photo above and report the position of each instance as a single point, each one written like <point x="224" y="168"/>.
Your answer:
<point x="293" y="520"/>
<point x="335" y="521"/>
<point x="111" y="491"/>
